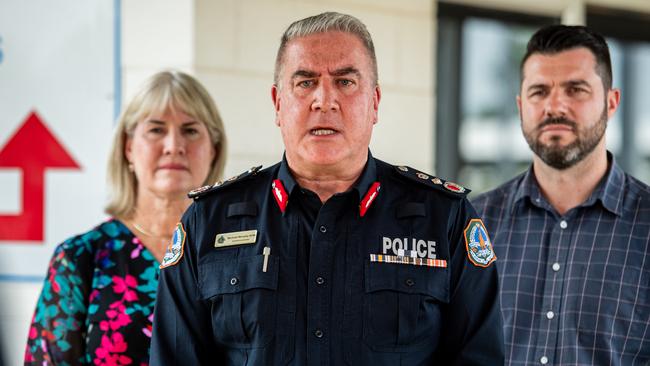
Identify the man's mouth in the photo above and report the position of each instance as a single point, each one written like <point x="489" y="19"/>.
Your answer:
<point x="557" y="127"/>
<point x="322" y="132"/>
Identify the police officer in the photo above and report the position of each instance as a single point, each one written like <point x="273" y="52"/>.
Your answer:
<point x="331" y="256"/>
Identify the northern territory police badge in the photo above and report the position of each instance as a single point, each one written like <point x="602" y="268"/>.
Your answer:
<point x="175" y="249"/>
<point x="477" y="242"/>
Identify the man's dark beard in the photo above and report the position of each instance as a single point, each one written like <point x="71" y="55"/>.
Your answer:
<point x="560" y="157"/>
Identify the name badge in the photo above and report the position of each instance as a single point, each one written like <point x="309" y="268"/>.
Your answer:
<point x="235" y="238"/>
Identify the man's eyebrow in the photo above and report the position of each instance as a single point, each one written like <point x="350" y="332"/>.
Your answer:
<point x="578" y="82"/>
<point x="304" y="74"/>
<point x="346" y="71"/>
<point x="536" y="86"/>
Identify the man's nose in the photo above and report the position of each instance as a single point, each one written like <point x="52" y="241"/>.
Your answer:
<point x="325" y="98"/>
<point x="556" y="104"/>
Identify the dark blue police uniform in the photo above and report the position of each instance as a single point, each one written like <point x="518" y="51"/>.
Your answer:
<point x="395" y="271"/>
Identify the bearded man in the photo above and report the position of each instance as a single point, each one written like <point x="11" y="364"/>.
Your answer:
<point x="572" y="232"/>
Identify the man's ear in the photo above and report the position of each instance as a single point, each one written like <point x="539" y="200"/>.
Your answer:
<point x="613" y="101"/>
<point x="275" y="97"/>
<point x="376" y="98"/>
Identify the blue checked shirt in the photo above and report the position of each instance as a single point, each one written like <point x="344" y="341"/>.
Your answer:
<point x="574" y="288"/>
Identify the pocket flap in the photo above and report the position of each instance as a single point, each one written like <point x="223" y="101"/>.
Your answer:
<point x="236" y="275"/>
<point x="405" y="278"/>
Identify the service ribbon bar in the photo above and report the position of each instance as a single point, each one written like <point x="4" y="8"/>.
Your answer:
<point x="383" y="258"/>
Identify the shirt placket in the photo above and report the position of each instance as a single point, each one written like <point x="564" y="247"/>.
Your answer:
<point x="549" y="313"/>
<point x="319" y="279"/>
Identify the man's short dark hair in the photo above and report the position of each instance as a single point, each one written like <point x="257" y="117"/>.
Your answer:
<point x="554" y="39"/>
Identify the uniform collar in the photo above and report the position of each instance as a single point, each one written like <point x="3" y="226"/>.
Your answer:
<point x="361" y="186"/>
<point x="284" y="175"/>
<point x="609" y="191"/>
<point x="367" y="178"/>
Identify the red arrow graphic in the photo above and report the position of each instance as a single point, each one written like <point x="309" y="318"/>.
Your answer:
<point x="32" y="149"/>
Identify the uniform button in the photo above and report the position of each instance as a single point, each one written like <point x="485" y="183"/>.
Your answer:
<point x="556" y="267"/>
<point x="543" y="360"/>
<point x="320" y="280"/>
<point x="550" y="315"/>
<point x="234" y="281"/>
<point x="563" y="224"/>
<point x="409" y="282"/>
<point x="318" y="333"/>
<point x="323" y="229"/>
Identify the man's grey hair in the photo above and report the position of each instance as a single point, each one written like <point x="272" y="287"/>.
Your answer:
<point x="321" y="23"/>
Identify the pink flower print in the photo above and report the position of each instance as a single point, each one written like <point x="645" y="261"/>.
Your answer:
<point x="109" y="352"/>
<point x="33" y="333"/>
<point x="93" y="295"/>
<point x="44" y="345"/>
<point x="28" y="355"/>
<point x="136" y="252"/>
<point x="125" y="286"/>
<point x="55" y="286"/>
<point x="147" y="330"/>
<point x="117" y="317"/>
<point x="149" y="326"/>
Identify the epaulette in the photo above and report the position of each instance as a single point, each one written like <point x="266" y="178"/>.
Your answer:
<point x="431" y="181"/>
<point x="202" y="191"/>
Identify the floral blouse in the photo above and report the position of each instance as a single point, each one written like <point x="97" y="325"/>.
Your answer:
<point x="96" y="306"/>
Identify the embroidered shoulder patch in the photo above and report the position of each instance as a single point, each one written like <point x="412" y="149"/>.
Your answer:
<point x="479" y="247"/>
<point x="175" y="249"/>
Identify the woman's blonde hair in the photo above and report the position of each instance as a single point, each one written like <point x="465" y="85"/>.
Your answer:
<point x="166" y="91"/>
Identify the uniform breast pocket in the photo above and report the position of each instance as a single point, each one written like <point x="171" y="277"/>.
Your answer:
<point x="243" y="300"/>
<point x="402" y="306"/>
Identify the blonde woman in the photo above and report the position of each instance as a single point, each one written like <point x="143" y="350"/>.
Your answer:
<point x="96" y="306"/>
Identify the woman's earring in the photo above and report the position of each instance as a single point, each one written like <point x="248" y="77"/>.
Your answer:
<point x="131" y="167"/>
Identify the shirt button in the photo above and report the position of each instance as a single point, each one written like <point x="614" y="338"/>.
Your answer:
<point x="550" y="315"/>
<point x="234" y="281"/>
<point x="556" y="267"/>
<point x="409" y="282"/>
<point x="323" y="229"/>
<point x="318" y="333"/>
<point x="563" y="224"/>
<point x="543" y="360"/>
<point x="320" y="280"/>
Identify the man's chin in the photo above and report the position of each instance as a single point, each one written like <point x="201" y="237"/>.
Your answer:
<point x="560" y="158"/>
<point x="556" y="142"/>
<point x="324" y="157"/>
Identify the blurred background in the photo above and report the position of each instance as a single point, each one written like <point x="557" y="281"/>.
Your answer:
<point x="449" y="72"/>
